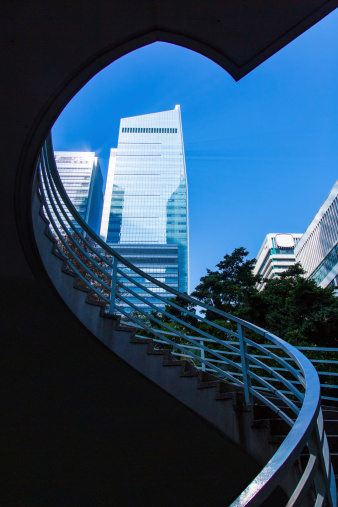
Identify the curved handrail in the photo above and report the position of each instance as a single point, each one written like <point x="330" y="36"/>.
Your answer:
<point x="48" y="150"/>
<point x="140" y="298"/>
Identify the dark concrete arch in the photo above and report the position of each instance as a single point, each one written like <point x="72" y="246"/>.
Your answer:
<point x="51" y="50"/>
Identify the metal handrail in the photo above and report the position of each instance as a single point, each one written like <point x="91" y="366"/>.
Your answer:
<point x="289" y="380"/>
<point x="307" y="350"/>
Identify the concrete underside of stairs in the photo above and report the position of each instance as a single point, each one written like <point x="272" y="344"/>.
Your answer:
<point x="81" y="427"/>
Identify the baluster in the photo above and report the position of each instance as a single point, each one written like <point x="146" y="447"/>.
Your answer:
<point x="113" y="287"/>
<point x="202" y="354"/>
<point x="245" y="364"/>
<point x="318" y="445"/>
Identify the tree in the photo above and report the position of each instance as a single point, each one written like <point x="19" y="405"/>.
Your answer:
<point x="230" y="287"/>
<point x="181" y="314"/>
<point x="296" y="309"/>
<point x="178" y="313"/>
<point x="290" y="306"/>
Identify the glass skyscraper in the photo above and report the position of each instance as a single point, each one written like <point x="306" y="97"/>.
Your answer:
<point x="81" y="177"/>
<point x="145" y="212"/>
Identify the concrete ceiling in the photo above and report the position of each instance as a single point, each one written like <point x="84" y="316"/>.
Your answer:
<point x="49" y="50"/>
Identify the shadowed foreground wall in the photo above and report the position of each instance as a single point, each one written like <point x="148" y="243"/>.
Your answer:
<point x="80" y="427"/>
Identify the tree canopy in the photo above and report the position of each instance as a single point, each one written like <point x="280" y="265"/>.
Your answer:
<point x="231" y="286"/>
<point x="296" y="309"/>
<point x="290" y="305"/>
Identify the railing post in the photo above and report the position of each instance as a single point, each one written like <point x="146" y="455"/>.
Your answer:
<point x="318" y="445"/>
<point x="113" y="287"/>
<point x="245" y="364"/>
<point x="202" y="355"/>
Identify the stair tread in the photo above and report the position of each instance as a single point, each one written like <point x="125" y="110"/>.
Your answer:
<point x="263" y="416"/>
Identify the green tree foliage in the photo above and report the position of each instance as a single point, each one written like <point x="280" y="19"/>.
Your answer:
<point x="230" y="287"/>
<point x="181" y="314"/>
<point x="296" y="309"/>
<point x="290" y="306"/>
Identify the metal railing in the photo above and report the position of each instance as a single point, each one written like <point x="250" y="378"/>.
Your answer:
<point x="268" y="369"/>
<point x="328" y="361"/>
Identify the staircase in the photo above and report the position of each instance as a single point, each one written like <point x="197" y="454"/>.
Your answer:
<point x="257" y="423"/>
<point x="203" y="393"/>
<point x="278" y="429"/>
<point x="331" y="428"/>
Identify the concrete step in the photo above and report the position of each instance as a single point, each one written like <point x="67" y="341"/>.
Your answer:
<point x="330" y="414"/>
<point x="279" y="427"/>
<point x="331" y="426"/>
<point x="333" y="443"/>
<point x="276" y="439"/>
<point x="265" y="412"/>
<point x="334" y="461"/>
<point x="206" y="380"/>
<point x="188" y="369"/>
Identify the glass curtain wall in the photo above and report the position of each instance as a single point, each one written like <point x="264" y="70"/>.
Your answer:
<point x="81" y="177"/>
<point x="148" y="212"/>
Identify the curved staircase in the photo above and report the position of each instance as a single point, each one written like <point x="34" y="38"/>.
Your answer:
<point x="257" y="423"/>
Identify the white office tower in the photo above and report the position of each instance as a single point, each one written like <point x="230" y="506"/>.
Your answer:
<point x="318" y="249"/>
<point x="276" y="254"/>
<point x="145" y="212"/>
<point x="81" y="177"/>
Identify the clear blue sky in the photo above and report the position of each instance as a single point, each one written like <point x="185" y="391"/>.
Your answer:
<point x="261" y="154"/>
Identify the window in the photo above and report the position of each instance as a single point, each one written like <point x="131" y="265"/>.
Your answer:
<point x="150" y="130"/>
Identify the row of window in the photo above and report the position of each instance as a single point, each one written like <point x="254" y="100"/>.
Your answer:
<point x="143" y="130"/>
<point x="152" y="270"/>
<point x="146" y="251"/>
<point x="77" y="191"/>
<point x="286" y="250"/>
<point x="153" y="288"/>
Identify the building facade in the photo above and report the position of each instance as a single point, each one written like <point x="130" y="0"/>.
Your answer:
<point x="145" y="212"/>
<point x="81" y="176"/>
<point x="318" y="249"/>
<point x="276" y="254"/>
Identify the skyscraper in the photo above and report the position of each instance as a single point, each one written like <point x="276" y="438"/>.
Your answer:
<point x="81" y="177"/>
<point x="145" y="214"/>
